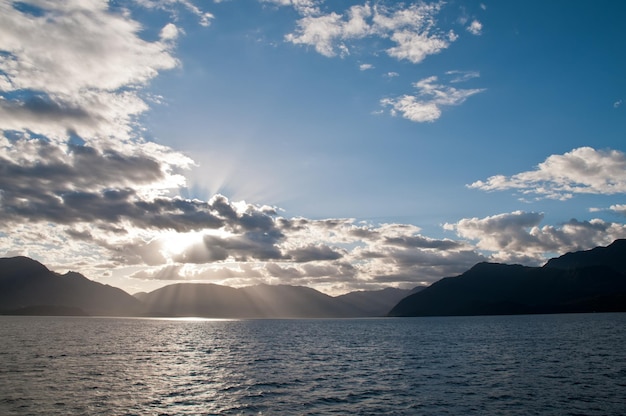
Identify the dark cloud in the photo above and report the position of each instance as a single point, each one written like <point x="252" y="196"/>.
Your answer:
<point x="53" y="169"/>
<point x="39" y="106"/>
<point x="250" y="246"/>
<point x="313" y="253"/>
<point x="422" y="242"/>
<point x="171" y="272"/>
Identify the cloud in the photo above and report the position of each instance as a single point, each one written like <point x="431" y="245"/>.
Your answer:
<point x="475" y="28"/>
<point x="303" y="7"/>
<point x="365" y="67"/>
<point x="411" y="28"/>
<point x="581" y="171"/>
<point x="519" y="237"/>
<point x="462" y="76"/>
<point x="171" y="6"/>
<point x="54" y="80"/>
<point x="327" y="32"/>
<point x="617" y="103"/>
<point x="415" y="47"/>
<point x="618" y="208"/>
<point x="318" y="252"/>
<point x="392" y="74"/>
<point x="427" y="104"/>
<point x="413" y="35"/>
<point x="331" y="253"/>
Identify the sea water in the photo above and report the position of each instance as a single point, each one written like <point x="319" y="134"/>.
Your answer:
<point x="506" y="365"/>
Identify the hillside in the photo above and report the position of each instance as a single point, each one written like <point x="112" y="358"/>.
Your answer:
<point x="613" y="256"/>
<point x="28" y="287"/>
<point x="587" y="281"/>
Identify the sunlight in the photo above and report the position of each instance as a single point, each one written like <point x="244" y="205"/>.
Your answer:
<point x="190" y="319"/>
<point x="174" y="243"/>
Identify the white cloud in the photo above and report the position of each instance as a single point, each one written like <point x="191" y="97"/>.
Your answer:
<point x="303" y="7"/>
<point x="45" y="54"/>
<point x="392" y="74"/>
<point x="328" y="32"/>
<point x="414" y="47"/>
<point x="412" y="28"/>
<point x="365" y="67"/>
<point x="475" y="28"/>
<point x="462" y="76"/>
<point x="519" y="237"/>
<point x="618" y="208"/>
<point x="169" y="32"/>
<point x="581" y="171"/>
<point x="617" y="103"/>
<point x="89" y="83"/>
<point x="171" y="6"/>
<point x="427" y="103"/>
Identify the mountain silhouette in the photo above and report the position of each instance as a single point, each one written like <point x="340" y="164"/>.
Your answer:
<point x="586" y="281"/>
<point x="265" y="301"/>
<point x="28" y="287"/>
<point x="375" y="302"/>
<point x="583" y="281"/>
<point x="613" y="256"/>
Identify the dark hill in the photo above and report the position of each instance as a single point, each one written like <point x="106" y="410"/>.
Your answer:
<point x="613" y="256"/>
<point x="28" y="286"/>
<point x="584" y="282"/>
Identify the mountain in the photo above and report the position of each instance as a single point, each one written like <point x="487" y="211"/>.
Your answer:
<point x="28" y="287"/>
<point x="586" y="281"/>
<point x="375" y="302"/>
<point x="612" y="256"/>
<point x="265" y="301"/>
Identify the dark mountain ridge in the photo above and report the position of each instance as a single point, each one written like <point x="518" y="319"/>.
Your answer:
<point x="27" y="286"/>
<point x="613" y="256"/>
<point x="585" y="281"/>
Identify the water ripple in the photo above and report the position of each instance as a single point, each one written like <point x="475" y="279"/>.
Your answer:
<point x="542" y="365"/>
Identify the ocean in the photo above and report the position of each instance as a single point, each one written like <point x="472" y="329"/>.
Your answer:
<point x="572" y="364"/>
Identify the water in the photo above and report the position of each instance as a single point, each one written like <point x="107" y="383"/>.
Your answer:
<point x="513" y="365"/>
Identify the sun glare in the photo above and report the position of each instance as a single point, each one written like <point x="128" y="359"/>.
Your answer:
<point x="175" y="243"/>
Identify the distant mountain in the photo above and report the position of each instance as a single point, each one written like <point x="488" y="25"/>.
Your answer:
<point x="265" y="301"/>
<point x="375" y="302"/>
<point x="585" y="281"/>
<point x="28" y="287"/>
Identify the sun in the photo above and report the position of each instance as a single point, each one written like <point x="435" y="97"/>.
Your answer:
<point x="172" y="243"/>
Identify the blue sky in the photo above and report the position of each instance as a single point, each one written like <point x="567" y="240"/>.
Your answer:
<point x="374" y="143"/>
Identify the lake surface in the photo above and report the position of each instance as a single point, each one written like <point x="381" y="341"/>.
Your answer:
<point x="507" y="365"/>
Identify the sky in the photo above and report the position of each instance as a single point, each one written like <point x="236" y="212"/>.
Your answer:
<point x="340" y="145"/>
